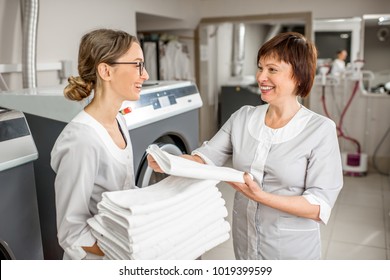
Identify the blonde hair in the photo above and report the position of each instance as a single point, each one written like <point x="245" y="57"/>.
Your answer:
<point x="98" y="46"/>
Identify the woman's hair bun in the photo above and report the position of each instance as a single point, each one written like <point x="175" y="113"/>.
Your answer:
<point x="77" y="89"/>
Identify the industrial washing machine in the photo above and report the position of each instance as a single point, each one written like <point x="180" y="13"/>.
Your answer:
<point x="47" y="112"/>
<point x="20" y="234"/>
<point x="167" y="113"/>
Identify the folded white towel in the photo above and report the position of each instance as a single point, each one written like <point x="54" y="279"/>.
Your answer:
<point x="156" y="197"/>
<point x="191" y="248"/>
<point x="179" y="166"/>
<point x="176" y="230"/>
<point x="156" y="221"/>
<point x="107" y="241"/>
<point x="176" y="218"/>
<point x="199" y="243"/>
<point x="174" y="237"/>
<point x="185" y="245"/>
<point x="122" y="215"/>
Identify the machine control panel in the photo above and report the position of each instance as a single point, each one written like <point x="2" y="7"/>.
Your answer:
<point x="161" y="101"/>
<point x="11" y="128"/>
<point x="16" y="143"/>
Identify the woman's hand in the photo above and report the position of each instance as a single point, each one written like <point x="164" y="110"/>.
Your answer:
<point x="294" y="205"/>
<point x="153" y="164"/>
<point x="94" y="249"/>
<point x="250" y="188"/>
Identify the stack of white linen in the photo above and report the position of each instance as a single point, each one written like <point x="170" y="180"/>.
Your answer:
<point x="176" y="218"/>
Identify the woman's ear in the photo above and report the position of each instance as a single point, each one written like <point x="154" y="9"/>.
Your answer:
<point x="104" y="71"/>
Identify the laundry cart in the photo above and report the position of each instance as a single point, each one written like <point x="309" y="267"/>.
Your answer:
<point x="20" y="234"/>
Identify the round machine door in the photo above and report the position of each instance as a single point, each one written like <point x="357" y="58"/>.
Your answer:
<point x="145" y="175"/>
<point x="5" y="251"/>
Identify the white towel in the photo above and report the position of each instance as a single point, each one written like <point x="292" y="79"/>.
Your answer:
<point x="180" y="245"/>
<point x="176" y="218"/>
<point x="201" y="242"/>
<point x="191" y="248"/>
<point x="167" y="192"/>
<point x="120" y="205"/>
<point x="107" y="241"/>
<point x="179" y="166"/>
<point x="175" y="230"/>
<point x="173" y="237"/>
<point x="156" y="221"/>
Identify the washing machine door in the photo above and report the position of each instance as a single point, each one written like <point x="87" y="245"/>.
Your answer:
<point x="145" y="175"/>
<point x="5" y="251"/>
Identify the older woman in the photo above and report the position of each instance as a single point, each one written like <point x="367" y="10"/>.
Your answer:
<point x="292" y="153"/>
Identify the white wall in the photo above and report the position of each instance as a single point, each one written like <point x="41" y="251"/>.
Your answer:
<point x="61" y="23"/>
<point x="174" y="14"/>
<point x="319" y="8"/>
<point x="60" y="27"/>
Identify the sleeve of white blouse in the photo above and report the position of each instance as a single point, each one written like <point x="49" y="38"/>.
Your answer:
<point x="74" y="159"/>
<point x="324" y="178"/>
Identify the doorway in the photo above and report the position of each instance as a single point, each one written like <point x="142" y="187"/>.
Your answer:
<point x="329" y="43"/>
<point x="214" y="55"/>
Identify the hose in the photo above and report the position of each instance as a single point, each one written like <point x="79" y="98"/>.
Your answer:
<point x="339" y="127"/>
<point x="323" y="102"/>
<point x="375" y="153"/>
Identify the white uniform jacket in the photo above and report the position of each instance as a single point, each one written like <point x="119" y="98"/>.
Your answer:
<point x="301" y="158"/>
<point x="87" y="163"/>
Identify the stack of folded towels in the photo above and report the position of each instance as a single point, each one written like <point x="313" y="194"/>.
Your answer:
<point x="176" y="218"/>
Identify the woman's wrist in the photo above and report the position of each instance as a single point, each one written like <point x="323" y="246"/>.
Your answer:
<point x="194" y="158"/>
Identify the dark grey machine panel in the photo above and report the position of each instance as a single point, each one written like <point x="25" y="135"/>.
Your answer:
<point x="234" y="97"/>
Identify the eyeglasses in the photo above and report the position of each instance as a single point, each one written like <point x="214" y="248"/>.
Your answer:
<point x="140" y="65"/>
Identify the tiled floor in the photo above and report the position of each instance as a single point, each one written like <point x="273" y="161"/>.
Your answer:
<point x="359" y="228"/>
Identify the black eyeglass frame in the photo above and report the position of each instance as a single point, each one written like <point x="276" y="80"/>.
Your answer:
<point x="140" y="65"/>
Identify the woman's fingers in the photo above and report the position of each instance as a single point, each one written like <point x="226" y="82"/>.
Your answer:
<point x="153" y="164"/>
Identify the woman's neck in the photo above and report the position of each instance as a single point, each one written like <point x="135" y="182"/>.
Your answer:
<point x="278" y="116"/>
<point x="104" y="111"/>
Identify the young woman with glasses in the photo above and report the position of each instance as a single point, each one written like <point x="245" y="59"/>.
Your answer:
<point x="93" y="154"/>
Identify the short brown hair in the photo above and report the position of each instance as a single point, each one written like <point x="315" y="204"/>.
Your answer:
<point x="294" y="49"/>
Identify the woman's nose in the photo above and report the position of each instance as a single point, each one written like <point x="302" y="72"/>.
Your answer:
<point x="145" y="74"/>
<point x="261" y="76"/>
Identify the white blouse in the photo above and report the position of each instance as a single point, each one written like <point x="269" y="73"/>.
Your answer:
<point x="87" y="163"/>
<point x="301" y="158"/>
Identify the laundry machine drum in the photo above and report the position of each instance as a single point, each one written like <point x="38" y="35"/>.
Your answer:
<point x="145" y="175"/>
